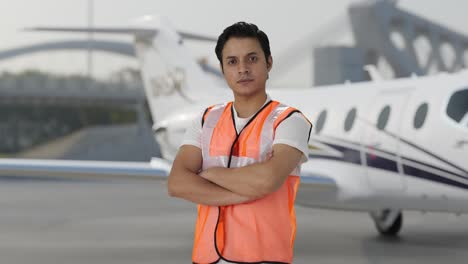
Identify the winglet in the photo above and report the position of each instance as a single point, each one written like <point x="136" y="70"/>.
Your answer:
<point x="373" y="72"/>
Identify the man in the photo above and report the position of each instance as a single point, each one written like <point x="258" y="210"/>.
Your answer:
<point x="240" y="161"/>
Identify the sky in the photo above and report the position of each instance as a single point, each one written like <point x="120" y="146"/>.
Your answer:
<point x="285" y="22"/>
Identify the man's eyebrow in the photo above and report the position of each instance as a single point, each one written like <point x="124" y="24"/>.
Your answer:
<point x="248" y="54"/>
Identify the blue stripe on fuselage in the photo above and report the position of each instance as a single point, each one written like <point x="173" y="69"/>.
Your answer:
<point x="377" y="161"/>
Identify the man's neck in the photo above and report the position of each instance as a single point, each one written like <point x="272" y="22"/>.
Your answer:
<point x="247" y="106"/>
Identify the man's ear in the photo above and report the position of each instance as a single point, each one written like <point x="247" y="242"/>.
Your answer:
<point x="269" y="63"/>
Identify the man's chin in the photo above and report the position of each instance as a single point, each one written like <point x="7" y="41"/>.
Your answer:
<point x="246" y="92"/>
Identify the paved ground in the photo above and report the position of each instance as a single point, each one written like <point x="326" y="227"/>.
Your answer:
<point x="121" y="222"/>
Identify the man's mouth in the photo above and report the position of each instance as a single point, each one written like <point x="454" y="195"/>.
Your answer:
<point x="244" y="81"/>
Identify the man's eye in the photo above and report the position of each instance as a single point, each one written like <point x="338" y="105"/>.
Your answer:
<point x="253" y="58"/>
<point x="231" y="62"/>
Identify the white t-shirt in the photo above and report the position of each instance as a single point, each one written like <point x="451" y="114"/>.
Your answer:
<point x="293" y="131"/>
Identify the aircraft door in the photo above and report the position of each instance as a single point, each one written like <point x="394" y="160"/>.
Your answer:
<point x="380" y="141"/>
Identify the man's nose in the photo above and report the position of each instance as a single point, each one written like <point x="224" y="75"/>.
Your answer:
<point x="243" y="67"/>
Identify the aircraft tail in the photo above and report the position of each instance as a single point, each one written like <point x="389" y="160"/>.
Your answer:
<point x="171" y="76"/>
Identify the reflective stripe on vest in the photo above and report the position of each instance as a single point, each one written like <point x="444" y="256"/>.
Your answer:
<point x="254" y="232"/>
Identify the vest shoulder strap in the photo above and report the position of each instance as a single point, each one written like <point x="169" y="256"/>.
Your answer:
<point x="211" y="109"/>
<point x="286" y="112"/>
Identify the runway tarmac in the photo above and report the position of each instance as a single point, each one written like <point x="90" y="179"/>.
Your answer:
<point x="128" y="222"/>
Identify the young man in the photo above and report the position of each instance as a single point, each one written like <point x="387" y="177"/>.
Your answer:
<point x="240" y="161"/>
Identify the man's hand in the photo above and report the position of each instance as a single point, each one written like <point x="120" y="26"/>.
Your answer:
<point x="211" y="173"/>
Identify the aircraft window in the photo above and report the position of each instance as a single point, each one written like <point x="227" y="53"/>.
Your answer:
<point x="457" y="108"/>
<point x="320" y="121"/>
<point x="420" y="115"/>
<point x="349" y="121"/>
<point x="383" y="117"/>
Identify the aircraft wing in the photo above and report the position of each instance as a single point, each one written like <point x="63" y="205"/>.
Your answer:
<point x="312" y="184"/>
<point x="157" y="169"/>
<point x="315" y="190"/>
<point x="316" y="183"/>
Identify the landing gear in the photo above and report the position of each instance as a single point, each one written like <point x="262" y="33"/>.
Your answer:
<point x="388" y="221"/>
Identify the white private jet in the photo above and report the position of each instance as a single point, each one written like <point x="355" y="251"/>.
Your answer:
<point x="380" y="147"/>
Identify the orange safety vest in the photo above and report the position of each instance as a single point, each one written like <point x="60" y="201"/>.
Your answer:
<point x="254" y="232"/>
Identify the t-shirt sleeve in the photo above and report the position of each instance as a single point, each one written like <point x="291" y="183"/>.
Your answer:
<point x="192" y="135"/>
<point x="294" y="131"/>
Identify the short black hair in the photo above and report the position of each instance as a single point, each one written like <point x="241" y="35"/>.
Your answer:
<point x="242" y="29"/>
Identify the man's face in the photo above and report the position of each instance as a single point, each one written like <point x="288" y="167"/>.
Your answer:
<point x="244" y="66"/>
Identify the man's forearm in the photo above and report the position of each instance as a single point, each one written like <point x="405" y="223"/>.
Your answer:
<point x="259" y="179"/>
<point x="201" y="191"/>
<point x="253" y="181"/>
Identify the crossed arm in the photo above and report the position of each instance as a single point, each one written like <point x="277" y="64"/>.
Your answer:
<point x="224" y="186"/>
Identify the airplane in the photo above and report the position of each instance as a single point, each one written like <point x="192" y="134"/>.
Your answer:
<point x="382" y="147"/>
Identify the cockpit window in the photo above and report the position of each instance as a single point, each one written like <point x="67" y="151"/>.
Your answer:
<point x="457" y="108"/>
